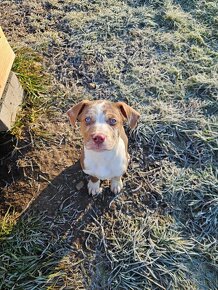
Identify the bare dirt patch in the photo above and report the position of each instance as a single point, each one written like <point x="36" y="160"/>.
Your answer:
<point x="27" y="170"/>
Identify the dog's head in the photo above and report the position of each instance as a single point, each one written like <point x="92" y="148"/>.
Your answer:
<point x="101" y="122"/>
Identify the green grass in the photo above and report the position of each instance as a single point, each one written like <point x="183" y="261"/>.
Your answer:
<point x="7" y="223"/>
<point x="27" y="254"/>
<point x="28" y="66"/>
<point x="160" y="57"/>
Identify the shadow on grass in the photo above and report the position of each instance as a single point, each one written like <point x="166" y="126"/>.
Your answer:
<point x="9" y="171"/>
<point x="46" y="231"/>
<point x="12" y="149"/>
<point x="7" y="144"/>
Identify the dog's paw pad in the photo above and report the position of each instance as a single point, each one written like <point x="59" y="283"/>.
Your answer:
<point x="94" y="188"/>
<point x="116" y="185"/>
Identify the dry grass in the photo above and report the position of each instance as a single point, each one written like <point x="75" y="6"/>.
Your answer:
<point x="161" y="232"/>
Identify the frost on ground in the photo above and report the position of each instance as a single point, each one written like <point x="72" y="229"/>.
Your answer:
<point x="161" y="232"/>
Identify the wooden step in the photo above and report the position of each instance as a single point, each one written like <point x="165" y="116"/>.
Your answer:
<point x="11" y="92"/>
<point x="6" y="60"/>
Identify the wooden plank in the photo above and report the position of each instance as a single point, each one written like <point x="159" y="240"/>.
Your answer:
<point x="6" y="61"/>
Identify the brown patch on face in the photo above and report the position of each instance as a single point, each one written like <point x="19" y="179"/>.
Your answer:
<point x="105" y="119"/>
<point x="113" y="113"/>
<point x="74" y="112"/>
<point x="129" y="113"/>
<point x="94" y="179"/>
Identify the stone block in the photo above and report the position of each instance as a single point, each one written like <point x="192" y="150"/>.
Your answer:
<point x="10" y="102"/>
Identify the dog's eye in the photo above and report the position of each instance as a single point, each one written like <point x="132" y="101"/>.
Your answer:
<point x="88" y="120"/>
<point x="112" y="121"/>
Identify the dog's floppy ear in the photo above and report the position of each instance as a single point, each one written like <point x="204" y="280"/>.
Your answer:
<point x="74" y="112"/>
<point x="129" y="113"/>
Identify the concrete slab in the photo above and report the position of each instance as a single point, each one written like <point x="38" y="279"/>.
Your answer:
<point x="10" y="102"/>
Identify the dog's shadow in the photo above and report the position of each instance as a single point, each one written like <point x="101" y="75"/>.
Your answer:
<point x="63" y="208"/>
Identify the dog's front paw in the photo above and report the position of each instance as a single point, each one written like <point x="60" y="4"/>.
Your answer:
<point x="116" y="185"/>
<point x="94" y="188"/>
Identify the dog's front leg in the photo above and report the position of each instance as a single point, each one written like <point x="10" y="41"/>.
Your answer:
<point x="94" y="186"/>
<point x="116" y="184"/>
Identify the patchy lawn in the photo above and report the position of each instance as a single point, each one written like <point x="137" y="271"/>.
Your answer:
<point x="161" y="231"/>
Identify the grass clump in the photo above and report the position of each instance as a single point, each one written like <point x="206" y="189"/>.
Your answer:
<point x="26" y="254"/>
<point x="28" y="66"/>
<point x="142" y="253"/>
<point x="7" y="223"/>
<point x="193" y="195"/>
<point x="29" y="69"/>
<point x="177" y="17"/>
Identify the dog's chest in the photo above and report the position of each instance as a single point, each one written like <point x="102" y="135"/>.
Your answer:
<point x="106" y="164"/>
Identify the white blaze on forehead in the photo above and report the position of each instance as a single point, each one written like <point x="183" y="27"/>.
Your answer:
<point x="100" y="116"/>
<point x="98" y="113"/>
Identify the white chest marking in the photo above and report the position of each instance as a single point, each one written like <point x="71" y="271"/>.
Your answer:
<point x="106" y="164"/>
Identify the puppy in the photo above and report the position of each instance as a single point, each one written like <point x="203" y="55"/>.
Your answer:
<point x="105" y="151"/>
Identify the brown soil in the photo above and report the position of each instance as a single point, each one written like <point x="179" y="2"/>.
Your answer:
<point x="26" y="170"/>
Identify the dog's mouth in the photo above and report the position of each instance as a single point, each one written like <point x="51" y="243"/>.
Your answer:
<point x="98" y="147"/>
